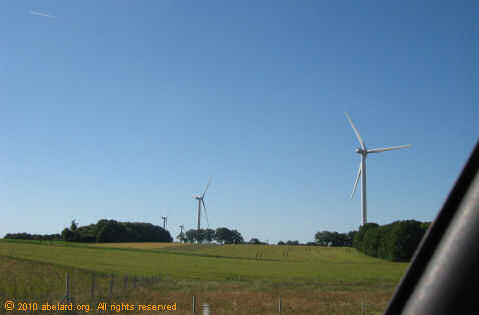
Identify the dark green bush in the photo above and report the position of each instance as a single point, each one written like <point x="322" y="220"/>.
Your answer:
<point x="395" y="242"/>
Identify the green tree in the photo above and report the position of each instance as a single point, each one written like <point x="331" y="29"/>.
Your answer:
<point x="358" y="238"/>
<point x="322" y="238"/>
<point x="350" y="238"/>
<point x="112" y="232"/>
<point x="396" y="241"/>
<point x="255" y="241"/>
<point x="181" y="237"/>
<point x="223" y="236"/>
<point x="372" y="241"/>
<point x="190" y="236"/>
<point x="401" y="240"/>
<point x="209" y="235"/>
<point x="200" y="235"/>
<point x="236" y="237"/>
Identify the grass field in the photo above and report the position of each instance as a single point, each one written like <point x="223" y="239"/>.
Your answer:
<point x="142" y="245"/>
<point x="213" y="262"/>
<point x="234" y="279"/>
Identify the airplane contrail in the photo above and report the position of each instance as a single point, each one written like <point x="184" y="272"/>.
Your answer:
<point x="46" y="15"/>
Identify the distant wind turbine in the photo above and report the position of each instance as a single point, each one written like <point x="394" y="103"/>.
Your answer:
<point x="202" y="201"/>
<point x="165" y="221"/>
<point x="362" y="168"/>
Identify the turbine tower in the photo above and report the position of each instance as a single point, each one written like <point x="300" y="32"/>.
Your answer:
<point x="182" y="236"/>
<point x="362" y="168"/>
<point x="165" y="221"/>
<point x="202" y="201"/>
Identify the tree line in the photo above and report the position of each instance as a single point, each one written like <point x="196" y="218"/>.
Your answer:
<point x="396" y="241"/>
<point x="220" y="235"/>
<point x="36" y="237"/>
<point x="114" y="231"/>
<point x="326" y="238"/>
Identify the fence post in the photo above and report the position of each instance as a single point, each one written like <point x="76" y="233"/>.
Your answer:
<point x="125" y="285"/>
<point x="134" y="283"/>
<point x="205" y="309"/>
<point x="67" y="291"/>
<point x="279" y="306"/>
<point x="111" y="286"/>
<point x="92" y="285"/>
<point x="194" y="305"/>
<point x="15" y="286"/>
<point x="362" y="307"/>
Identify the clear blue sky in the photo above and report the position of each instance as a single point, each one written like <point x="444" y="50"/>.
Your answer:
<point x="123" y="109"/>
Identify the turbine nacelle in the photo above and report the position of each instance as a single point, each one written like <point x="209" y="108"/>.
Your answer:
<point x="361" y="151"/>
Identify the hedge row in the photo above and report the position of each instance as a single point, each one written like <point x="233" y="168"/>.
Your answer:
<point x="395" y="242"/>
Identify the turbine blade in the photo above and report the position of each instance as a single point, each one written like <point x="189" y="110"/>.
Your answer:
<point x="361" y="142"/>
<point x="204" y="208"/>
<point x="356" y="182"/>
<point x="389" y="149"/>
<point x="207" y="187"/>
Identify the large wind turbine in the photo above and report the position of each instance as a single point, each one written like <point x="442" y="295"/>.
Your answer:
<point x="362" y="168"/>
<point x="202" y="201"/>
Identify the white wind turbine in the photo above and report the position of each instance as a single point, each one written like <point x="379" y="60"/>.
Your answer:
<point x="202" y="201"/>
<point x="362" y="168"/>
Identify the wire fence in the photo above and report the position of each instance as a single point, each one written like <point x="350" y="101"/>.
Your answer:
<point x="83" y="292"/>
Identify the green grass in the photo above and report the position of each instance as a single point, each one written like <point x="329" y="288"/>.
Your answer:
<point x="213" y="262"/>
<point x="33" y="282"/>
<point x="305" y="278"/>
